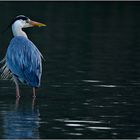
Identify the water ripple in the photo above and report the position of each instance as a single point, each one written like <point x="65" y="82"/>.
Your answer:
<point x="76" y="134"/>
<point x="91" y="81"/>
<point x="106" y="86"/>
<point x="78" y="121"/>
<point x="75" y="125"/>
<point x="101" y="128"/>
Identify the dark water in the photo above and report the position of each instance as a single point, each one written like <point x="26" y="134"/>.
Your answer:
<point x="91" y="77"/>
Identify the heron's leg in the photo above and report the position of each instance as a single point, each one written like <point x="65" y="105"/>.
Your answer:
<point x="34" y="93"/>
<point x="17" y="87"/>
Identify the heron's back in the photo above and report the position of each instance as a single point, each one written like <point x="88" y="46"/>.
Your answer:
<point x="24" y="61"/>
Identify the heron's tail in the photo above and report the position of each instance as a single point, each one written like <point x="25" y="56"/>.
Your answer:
<point x="3" y="60"/>
<point x="4" y="70"/>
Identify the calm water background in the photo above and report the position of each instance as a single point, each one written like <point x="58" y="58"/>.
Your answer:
<point x="91" y="77"/>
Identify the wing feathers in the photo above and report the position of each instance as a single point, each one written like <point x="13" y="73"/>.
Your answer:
<point x="24" y="60"/>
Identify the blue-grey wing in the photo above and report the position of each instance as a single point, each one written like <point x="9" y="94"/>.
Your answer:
<point x="24" y="61"/>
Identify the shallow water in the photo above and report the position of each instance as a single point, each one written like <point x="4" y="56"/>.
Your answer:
<point x="91" y="77"/>
<point x="83" y="110"/>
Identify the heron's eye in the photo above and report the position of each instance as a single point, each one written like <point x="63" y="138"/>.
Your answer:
<point x="27" y="21"/>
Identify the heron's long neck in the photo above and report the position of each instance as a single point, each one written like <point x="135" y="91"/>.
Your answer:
<point x="17" y="31"/>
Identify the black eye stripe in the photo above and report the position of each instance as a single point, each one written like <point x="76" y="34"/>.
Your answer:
<point x="20" y="17"/>
<point x="17" y="18"/>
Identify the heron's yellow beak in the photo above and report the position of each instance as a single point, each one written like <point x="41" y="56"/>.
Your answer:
<point x="34" y="23"/>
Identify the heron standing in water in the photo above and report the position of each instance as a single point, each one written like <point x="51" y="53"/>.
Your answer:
<point x="23" y="61"/>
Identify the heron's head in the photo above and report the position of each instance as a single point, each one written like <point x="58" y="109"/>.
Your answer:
<point x="24" y="22"/>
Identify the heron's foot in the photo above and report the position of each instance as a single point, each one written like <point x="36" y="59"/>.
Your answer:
<point x="17" y="96"/>
<point x="34" y="96"/>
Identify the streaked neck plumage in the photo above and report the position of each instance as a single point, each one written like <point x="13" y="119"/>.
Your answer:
<point x="17" y="30"/>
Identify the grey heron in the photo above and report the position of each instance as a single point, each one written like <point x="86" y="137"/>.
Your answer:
<point x="23" y="60"/>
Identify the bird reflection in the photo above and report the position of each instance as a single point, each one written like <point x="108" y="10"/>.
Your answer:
<point x="22" y="121"/>
<point x="17" y="103"/>
<point x="33" y="103"/>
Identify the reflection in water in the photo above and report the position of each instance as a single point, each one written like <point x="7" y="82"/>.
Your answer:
<point x="21" y="122"/>
<point x="91" y="81"/>
<point x="17" y="103"/>
<point x="109" y="86"/>
<point x="93" y="125"/>
<point x="102" y="128"/>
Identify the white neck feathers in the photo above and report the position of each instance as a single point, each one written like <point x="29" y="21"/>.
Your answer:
<point x="17" y="29"/>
